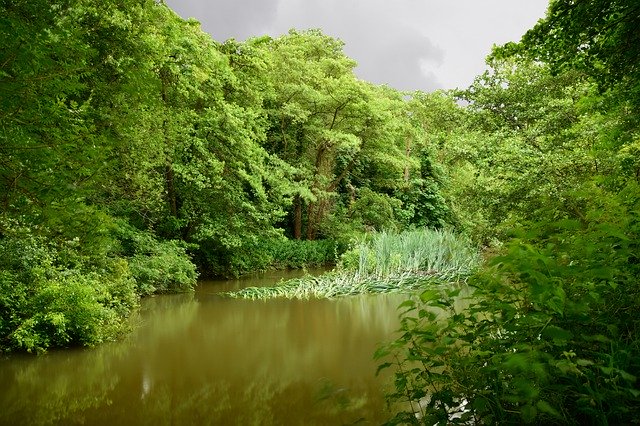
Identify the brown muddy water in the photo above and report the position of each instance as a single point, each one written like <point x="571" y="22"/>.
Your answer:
<point x="201" y="359"/>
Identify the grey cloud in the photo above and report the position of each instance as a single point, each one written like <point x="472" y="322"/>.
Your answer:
<point x="408" y="44"/>
<point x="396" y="61"/>
<point x="237" y="19"/>
<point x="388" y="50"/>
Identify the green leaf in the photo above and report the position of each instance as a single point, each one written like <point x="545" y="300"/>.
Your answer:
<point x="559" y="335"/>
<point x="409" y="303"/>
<point x="381" y="352"/>
<point x="429" y="295"/>
<point x="529" y="413"/>
<point x="481" y="404"/>
<point x="517" y="361"/>
<point x="626" y="376"/>
<point x="382" y="367"/>
<point x="545" y="407"/>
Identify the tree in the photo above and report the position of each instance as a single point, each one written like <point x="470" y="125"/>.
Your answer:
<point x="328" y="125"/>
<point x="527" y="141"/>
<point x="597" y="37"/>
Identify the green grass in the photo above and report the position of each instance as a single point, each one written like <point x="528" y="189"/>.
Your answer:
<point x="384" y="263"/>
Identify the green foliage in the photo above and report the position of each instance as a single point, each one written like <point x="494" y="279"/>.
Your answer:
<point x="261" y="254"/>
<point x="374" y="211"/>
<point x="529" y="140"/>
<point x="423" y="204"/>
<point x="232" y="256"/>
<point x="129" y="137"/>
<point x="542" y="165"/>
<point x="343" y="138"/>
<point x="302" y="253"/>
<point x="419" y="252"/>
<point x="599" y="37"/>
<point x="156" y="266"/>
<point x="537" y="341"/>
<point x="335" y="284"/>
<point x="72" y="310"/>
<point x="46" y="301"/>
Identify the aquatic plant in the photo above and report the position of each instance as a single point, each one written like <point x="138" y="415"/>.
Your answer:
<point x="385" y="263"/>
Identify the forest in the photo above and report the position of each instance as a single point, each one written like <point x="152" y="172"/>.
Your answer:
<point x="137" y="154"/>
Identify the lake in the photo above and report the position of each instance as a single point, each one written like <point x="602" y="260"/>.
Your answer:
<point x="201" y="359"/>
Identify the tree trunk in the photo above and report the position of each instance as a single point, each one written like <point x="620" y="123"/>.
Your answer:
<point x="171" y="190"/>
<point x="297" y="218"/>
<point x="311" y="222"/>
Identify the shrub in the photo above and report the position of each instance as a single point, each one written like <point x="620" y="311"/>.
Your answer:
<point x="302" y="253"/>
<point x="156" y="266"/>
<point x="232" y="257"/>
<point x="58" y="292"/>
<point x="45" y="304"/>
<point x="549" y="335"/>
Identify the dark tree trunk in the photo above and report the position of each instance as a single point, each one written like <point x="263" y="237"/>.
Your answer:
<point x="297" y="218"/>
<point x="171" y="190"/>
<point x="311" y="221"/>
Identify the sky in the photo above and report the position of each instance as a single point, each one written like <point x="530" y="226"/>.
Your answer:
<point x="407" y="44"/>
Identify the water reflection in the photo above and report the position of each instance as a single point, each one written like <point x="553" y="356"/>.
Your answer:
<point x="202" y="359"/>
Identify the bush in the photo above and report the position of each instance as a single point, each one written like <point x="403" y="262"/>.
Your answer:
<point x="70" y="310"/>
<point x="549" y="335"/>
<point x="302" y="253"/>
<point x="156" y="266"/>
<point x="45" y="304"/>
<point x="57" y="292"/>
<point x="259" y="254"/>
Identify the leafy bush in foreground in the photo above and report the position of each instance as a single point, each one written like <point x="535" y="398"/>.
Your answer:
<point x="549" y="336"/>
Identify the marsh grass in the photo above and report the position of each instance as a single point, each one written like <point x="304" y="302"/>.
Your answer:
<point x="384" y="263"/>
<point x="417" y="252"/>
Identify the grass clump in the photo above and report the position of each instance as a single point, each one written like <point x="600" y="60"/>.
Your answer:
<point x="383" y="263"/>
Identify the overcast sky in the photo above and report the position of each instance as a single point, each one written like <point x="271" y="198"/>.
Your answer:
<point x="407" y="44"/>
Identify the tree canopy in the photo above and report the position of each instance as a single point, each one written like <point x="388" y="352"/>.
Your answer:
<point x="136" y="149"/>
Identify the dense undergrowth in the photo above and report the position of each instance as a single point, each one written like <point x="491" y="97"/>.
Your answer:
<point x="54" y="292"/>
<point x="268" y="253"/>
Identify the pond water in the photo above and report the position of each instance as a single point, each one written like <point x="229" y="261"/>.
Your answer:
<point x="203" y="359"/>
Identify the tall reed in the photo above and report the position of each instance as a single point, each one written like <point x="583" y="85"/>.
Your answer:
<point x="421" y="251"/>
